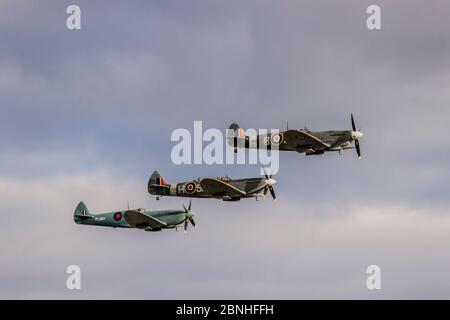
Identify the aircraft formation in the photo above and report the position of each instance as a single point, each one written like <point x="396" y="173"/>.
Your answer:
<point x="222" y="188"/>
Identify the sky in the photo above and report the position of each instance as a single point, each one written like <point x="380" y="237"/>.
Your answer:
<point x="88" y="114"/>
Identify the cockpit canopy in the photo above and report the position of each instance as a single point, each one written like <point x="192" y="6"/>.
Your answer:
<point x="224" y="179"/>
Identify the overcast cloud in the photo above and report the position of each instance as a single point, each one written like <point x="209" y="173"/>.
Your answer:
<point x="87" y="115"/>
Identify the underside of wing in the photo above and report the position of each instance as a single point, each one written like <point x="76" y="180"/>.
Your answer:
<point x="218" y="188"/>
<point x="303" y="138"/>
<point x="142" y="220"/>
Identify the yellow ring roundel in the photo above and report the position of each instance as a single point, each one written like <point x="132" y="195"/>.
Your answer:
<point x="277" y="138"/>
<point x="190" y="188"/>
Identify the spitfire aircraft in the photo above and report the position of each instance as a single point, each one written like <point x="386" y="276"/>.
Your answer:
<point x="222" y="188"/>
<point x="302" y="140"/>
<point x="136" y="218"/>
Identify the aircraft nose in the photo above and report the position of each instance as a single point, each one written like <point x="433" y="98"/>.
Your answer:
<point x="190" y="214"/>
<point x="357" y="134"/>
<point x="271" y="182"/>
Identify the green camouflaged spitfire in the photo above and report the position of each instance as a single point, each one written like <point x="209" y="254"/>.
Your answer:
<point x="301" y="140"/>
<point x="136" y="218"/>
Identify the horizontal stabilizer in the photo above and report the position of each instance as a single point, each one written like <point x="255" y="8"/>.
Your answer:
<point x="157" y="186"/>
<point x="83" y="216"/>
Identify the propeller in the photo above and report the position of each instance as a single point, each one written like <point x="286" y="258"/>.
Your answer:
<point x="355" y="135"/>
<point x="269" y="185"/>
<point x="189" y="216"/>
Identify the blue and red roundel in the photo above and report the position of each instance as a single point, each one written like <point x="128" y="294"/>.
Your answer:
<point x="117" y="216"/>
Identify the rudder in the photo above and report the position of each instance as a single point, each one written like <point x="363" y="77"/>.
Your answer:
<point x="155" y="181"/>
<point x="234" y="133"/>
<point x="81" y="212"/>
<point x="81" y="209"/>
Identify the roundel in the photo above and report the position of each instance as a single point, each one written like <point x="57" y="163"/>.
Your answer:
<point x="117" y="216"/>
<point x="190" y="187"/>
<point x="277" y="138"/>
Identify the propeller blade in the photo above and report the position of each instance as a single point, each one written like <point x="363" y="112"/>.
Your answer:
<point x="190" y="203"/>
<point x="272" y="192"/>
<point x="184" y="207"/>
<point x="192" y="221"/>
<point x="358" y="150"/>
<point x="186" y="222"/>
<point x="265" y="190"/>
<point x="265" y="174"/>
<point x="353" y="123"/>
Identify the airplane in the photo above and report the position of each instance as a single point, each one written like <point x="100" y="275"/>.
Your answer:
<point x="222" y="188"/>
<point x="136" y="218"/>
<point x="302" y="140"/>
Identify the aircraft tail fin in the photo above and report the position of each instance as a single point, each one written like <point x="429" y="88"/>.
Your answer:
<point x="236" y="131"/>
<point x="156" y="182"/>
<point x="81" y="212"/>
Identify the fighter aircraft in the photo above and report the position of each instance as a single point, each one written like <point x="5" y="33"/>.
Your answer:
<point x="222" y="188"/>
<point x="301" y="140"/>
<point x="136" y="218"/>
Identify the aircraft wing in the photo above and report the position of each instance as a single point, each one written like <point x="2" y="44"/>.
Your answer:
<point x="142" y="220"/>
<point x="296" y="138"/>
<point x="257" y="189"/>
<point x="217" y="187"/>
